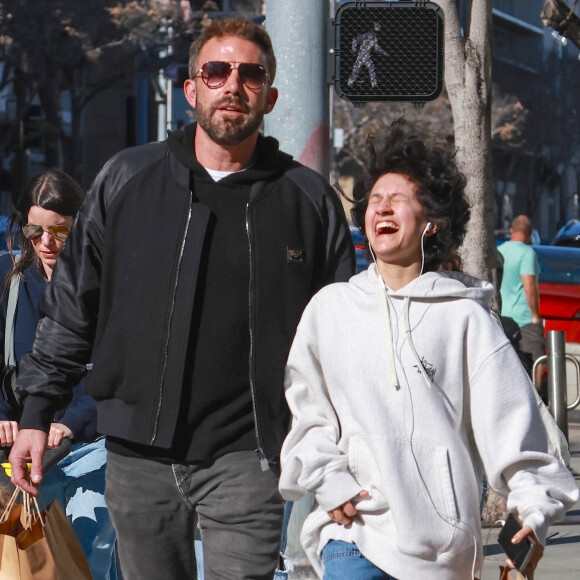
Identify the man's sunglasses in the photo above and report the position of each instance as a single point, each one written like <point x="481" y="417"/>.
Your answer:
<point x="215" y="74"/>
<point x="59" y="233"/>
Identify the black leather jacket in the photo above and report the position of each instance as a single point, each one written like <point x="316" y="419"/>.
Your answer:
<point x="123" y="291"/>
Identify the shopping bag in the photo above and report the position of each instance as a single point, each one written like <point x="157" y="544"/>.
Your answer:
<point x="16" y="534"/>
<point x="10" y="527"/>
<point x="506" y="574"/>
<point x="37" y="545"/>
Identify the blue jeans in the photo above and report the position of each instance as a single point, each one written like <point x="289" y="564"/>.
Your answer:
<point x="343" y="561"/>
<point x="78" y="483"/>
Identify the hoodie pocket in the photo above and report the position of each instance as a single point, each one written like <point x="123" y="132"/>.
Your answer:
<point x="411" y="489"/>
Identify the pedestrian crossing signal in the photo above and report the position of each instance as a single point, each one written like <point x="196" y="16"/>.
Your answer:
<point x="388" y="51"/>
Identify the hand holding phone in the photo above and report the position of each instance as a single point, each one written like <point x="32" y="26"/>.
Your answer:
<point x="520" y="554"/>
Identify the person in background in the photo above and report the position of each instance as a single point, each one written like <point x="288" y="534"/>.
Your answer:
<point x="404" y="390"/>
<point x="37" y="231"/>
<point x="520" y="297"/>
<point x="187" y="271"/>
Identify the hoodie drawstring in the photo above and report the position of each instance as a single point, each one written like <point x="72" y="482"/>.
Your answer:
<point x="406" y="306"/>
<point x="394" y="380"/>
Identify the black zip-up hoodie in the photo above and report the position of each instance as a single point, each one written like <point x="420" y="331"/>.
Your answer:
<point x="123" y="291"/>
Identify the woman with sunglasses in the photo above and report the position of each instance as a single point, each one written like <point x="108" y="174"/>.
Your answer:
<point x="36" y="235"/>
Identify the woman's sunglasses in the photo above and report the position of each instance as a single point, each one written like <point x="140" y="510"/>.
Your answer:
<point x="215" y="74"/>
<point x="59" y="233"/>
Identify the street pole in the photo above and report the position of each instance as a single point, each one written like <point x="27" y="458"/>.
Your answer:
<point x="300" y="119"/>
<point x="162" y="107"/>
<point x="165" y="97"/>
<point x="300" y="122"/>
<point x="557" y="388"/>
<point x="169" y="83"/>
<point x="169" y="106"/>
<point x="557" y="378"/>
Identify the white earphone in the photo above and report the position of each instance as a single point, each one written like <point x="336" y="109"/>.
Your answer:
<point x="427" y="227"/>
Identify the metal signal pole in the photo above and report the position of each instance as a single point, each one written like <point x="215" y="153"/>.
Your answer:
<point x="300" y="119"/>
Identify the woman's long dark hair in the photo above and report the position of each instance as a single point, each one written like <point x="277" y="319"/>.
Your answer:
<point x="53" y="190"/>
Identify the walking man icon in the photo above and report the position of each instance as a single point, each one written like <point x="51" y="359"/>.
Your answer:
<point x="364" y="44"/>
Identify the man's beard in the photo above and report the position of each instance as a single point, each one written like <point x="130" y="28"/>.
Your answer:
<point x="229" y="131"/>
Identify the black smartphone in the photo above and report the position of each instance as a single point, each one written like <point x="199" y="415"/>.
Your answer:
<point x="520" y="554"/>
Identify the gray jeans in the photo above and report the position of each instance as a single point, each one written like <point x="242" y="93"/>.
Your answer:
<point x="155" y="509"/>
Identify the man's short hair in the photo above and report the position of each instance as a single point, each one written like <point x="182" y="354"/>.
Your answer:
<point x="522" y="224"/>
<point x="240" y="27"/>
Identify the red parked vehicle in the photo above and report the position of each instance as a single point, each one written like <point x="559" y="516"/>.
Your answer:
<point x="560" y="289"/>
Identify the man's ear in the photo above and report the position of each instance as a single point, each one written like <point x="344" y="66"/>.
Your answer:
<point x="271" y="99"/>
<point x="190" y="92"/>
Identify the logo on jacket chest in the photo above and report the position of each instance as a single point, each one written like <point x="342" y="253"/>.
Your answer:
<point x="296" y="255"/>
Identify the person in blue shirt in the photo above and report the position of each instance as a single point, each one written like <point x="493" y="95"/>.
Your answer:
<point x="39" y="226"/>
<point x="520" y="297"/>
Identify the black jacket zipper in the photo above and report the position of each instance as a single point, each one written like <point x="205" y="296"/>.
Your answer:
<point x="259" y="450"/>
<point x="171" y="312"/>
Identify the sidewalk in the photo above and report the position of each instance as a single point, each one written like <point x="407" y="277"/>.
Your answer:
<point x="561" y="559"/>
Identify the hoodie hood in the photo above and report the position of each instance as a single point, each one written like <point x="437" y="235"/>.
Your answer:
<point x="268" y="161"/>
<point x="429" y="287"/>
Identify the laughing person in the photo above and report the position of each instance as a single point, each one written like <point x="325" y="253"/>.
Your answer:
<point x="404" y="390"/>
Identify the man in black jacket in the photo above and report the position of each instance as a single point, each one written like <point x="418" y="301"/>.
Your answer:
<point x="180" y="290"/>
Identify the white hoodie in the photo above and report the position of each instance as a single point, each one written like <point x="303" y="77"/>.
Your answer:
<point x="418" y="437"/>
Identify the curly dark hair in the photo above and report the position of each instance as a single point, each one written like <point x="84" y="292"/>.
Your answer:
<point x="431" y="166"/>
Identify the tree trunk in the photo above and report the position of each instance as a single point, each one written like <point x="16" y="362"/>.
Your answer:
<point x="468" y="82"/>
<point x="74" y="143"/>
<point x="49" y="95"/>
<point x="18" y="167"/>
